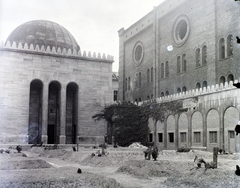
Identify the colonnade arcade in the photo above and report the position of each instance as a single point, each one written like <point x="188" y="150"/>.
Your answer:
<point x="212" y="128"/>
<point x="53" y="113"/>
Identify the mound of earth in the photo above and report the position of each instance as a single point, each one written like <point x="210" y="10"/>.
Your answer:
<point x="24" y="164"/>
<point x="146" y="168"/>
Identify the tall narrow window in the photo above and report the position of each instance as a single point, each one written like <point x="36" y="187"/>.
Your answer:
<point x="167" y="93"/>
<point x="204" y="55"/>
<point x="126" y="85"/>
<point x="171" y="137"/>
<point x="167" y="69"/>
<point x="184" y="63"/>
<point x="178" y="64"/>
<point x="221" y="48"/>
<point x="140" y="79"/>
<point x="229" y="45"/>
<point x="137" y="80"/>
<point x="162" y="94"/>
<point x="129" y="83"/>
<point x="115" y="93"/>
<point x="148" y="75"/>
<point x="160" y="137"/>
<point x="152" y="74"/>
<point x="197" y="57"/>
<point x="162" y="70"/>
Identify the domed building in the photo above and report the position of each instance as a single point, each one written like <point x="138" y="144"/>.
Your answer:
<point x="49" y="88"/>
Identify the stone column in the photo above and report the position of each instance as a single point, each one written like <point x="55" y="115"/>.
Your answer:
<point x="176" y="131"/>
<point x="165" y="133"/>
<point x="44" y="113"/>
<point x="62" y="138"/>
<point x="190" y="130"/>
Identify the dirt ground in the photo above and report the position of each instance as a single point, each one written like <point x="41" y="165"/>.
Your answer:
<point x="121" y="167"/>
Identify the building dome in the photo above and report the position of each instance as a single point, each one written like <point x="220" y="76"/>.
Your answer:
<point x="43" y="33"/>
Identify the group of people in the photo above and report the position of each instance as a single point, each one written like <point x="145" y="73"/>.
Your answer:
<point x="151" y="151"/>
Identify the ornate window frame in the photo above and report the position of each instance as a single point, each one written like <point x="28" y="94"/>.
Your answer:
<point x="138" y="53"/>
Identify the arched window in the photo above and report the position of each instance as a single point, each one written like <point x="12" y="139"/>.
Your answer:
<point x="148" y="75"/>
<point x="197" y="57"/>
<point x="204" y="55"/>
<point x="129" y="83"/>
<point x="167" y="69"/>
<point x="152" y="74"/>
<point x="167" y="93"/>
<point x="221" y="48"/>
<point x="184" y="63"/>
<point x="184" y="89"/>
<point x="230" y="78"/>
<point x="162" y="94"/>
<point x="222" y="80"/>
<point x="198" y="85"/>
<point x="229" y="45"/>
<point x="178" y="64"/>
<point x="204" y="84"/>
<point x="162" y="70"/>
<point x="178" y="90"/>
<point x="140" y="79"/>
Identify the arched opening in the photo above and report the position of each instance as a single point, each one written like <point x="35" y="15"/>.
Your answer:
<point x="35" y="112"/>
<point x="204" y="84"/>
<point x="184" y="89"/>
<point x="54" y="112"/>
<point x="222" y="80"/>
<point x="198" y="85"/>
<point x="230" y="78"/>
<point x="221" y="48"/>
<point x="71" y="113"/>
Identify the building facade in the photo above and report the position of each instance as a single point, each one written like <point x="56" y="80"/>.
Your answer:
<point x="186" y="50"/>
<point x="49" y="88"/>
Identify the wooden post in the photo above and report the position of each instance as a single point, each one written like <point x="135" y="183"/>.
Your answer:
<point x="215" y="155"/>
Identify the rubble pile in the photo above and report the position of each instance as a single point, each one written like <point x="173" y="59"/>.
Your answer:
<point x="137" y="145"/>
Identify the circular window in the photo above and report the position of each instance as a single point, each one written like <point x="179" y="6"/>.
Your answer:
<point x="181" y="30"/>
<point x="138" y="53"/>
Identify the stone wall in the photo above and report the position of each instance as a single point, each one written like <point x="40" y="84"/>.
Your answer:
<point x="20" y="66"/>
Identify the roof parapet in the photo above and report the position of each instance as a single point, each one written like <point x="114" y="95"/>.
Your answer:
<point x="48" y="50"/>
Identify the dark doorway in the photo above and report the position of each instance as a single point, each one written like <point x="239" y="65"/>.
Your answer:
<point x="71" y="113"/>
<point x="35" y="112"/>
<point x="51" y="134"/>
<point x="54" y="112"/>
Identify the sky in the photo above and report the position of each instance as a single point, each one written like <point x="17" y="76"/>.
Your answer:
<point x="93" y="23"/>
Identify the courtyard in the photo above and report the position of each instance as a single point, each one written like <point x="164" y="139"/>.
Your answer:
<point x="120" y="167"/>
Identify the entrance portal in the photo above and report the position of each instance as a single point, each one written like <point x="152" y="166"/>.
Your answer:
<point x="35" y="112"/>
<point x="71" y="113"/>
<point x="54" y="113"/>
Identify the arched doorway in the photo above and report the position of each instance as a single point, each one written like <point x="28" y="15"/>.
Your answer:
<point x="54" y="112"/>
<point x="71" y="113"/>
<point x="35" y="112"/>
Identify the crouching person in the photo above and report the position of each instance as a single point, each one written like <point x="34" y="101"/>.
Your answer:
<point x="155" y="153"/>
